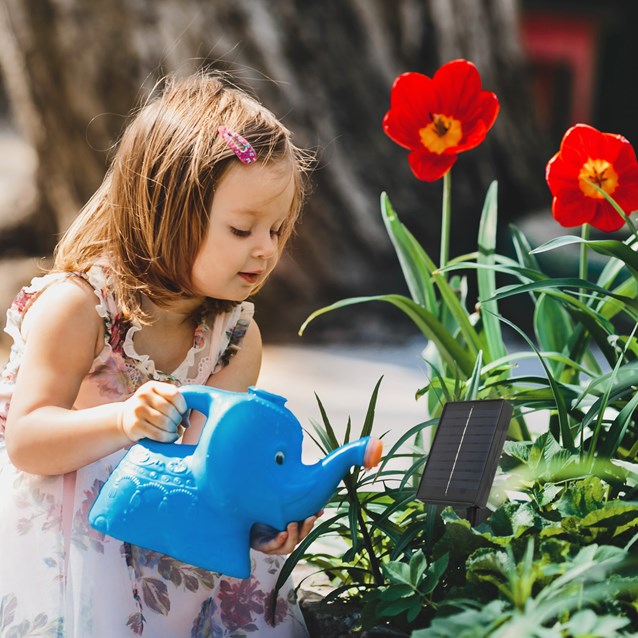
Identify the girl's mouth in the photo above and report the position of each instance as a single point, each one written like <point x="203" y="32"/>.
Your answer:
<point x="249" y="277"/>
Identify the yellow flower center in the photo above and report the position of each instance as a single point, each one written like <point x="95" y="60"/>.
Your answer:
<point x="441" y="133"/>
<point x="599" y="172"/>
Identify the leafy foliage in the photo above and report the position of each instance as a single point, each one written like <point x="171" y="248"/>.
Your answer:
<point x="555" y="557"/>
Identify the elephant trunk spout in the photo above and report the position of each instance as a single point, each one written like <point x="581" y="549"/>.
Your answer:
<point x="327" y="473"/>
<point x="365" y="452"/>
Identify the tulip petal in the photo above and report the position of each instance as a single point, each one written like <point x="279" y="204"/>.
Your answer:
<point x="606" y="218"/>
<point x="572" y="209"/>
<point x="412" y="100"/>
<point x="428" y="166"/>
<point x="577" y="144"/>
<point x="458" y="85"/>
<point x="561" y="175"/>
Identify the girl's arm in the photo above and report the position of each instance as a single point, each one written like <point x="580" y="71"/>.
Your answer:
<point x="44" y="434"/>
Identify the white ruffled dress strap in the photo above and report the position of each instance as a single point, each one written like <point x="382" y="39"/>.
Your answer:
<point x="27" y="295"/>
<point x="231" y="334"/>
<point x="219" y="339"/>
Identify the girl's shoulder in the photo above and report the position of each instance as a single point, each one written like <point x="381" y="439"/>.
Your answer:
<point x="89" y="285"/>
<point x="60" y="296"/>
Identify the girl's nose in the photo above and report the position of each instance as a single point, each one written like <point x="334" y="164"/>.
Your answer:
<point x="266" y="247"/>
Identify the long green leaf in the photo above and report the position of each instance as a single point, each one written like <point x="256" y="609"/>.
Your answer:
<point x="452" y="304"/>
<point x="486" y="279"/>
<point x="450" y="349"/>
<point x="368" y="423"/>
<point x="566" y="283"/>
<point x="474" y="382"/>
<point x="618" y="429"/>
<point x="369" y="418"/>
<point x="561" y="406"/>
<point x="328" y="436"/>
<point x="607" y="247"/>
<point x="322" y="528"/>
<point x="523" y="249"/>
<point x="410" y="254"/>
<point x="552" y="327"/>
<point x="405" y="437"/>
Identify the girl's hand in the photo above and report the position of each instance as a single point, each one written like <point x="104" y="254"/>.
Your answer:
<point x="155" y="411"/>
<point x="286" y="541"/>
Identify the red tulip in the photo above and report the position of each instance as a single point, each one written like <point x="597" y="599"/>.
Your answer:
<point x="605" y="159"/>
<point x="437" y="118"/>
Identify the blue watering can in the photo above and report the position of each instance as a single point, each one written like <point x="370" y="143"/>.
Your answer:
<point x="198" y="503"/>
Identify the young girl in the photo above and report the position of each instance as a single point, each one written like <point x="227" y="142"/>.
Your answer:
<point x="148" y="292"/>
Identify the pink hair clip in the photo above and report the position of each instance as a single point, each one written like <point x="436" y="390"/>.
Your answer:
<point x="238" y="145"/>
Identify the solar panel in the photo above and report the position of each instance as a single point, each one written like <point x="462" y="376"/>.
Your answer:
<point x="465" y="452"/>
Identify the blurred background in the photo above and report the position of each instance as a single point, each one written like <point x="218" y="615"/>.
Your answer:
<point x="71" y="71"/>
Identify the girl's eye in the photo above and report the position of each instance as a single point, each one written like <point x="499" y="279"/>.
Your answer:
<point x="276" y="233"/>
<point x="239" y="233"/>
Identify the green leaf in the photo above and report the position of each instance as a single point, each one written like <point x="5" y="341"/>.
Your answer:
<point x="396" y="607"/>
<point x="434" y="573"/>
<point x="618" y="429"/>
<point x="559" y="397"/>
<point x="398" y="572"/>
<point x="327" y="435"/>
<point x="409" y="434"/>
<point x="551" y="325"/>
<point x="418" y="565"/>
<point x="523" y="250"/>
<point x="550" y="286"/>
<point x="583" y="497"/>
<point x="394" y="592"/>
<point x="486" y="279"/>
<point x="450" y="349"/>
<point x="608" y="247"/>
<point x="369" y="418"/>
<point x="588" y="623"/>
<point x="613" y="516"/>
<point x="414" y="609"/>
<point x="323" y="527"/>
<point x="415" y="267"/>
<point x="474" y="382"/>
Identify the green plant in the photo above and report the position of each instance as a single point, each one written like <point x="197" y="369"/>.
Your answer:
<point x="553" y="558"/>
<point x="373" y="514"/>
<point x="573" y="601"/>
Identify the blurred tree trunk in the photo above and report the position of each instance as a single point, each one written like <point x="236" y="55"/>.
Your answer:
<point x="74" y="68"/>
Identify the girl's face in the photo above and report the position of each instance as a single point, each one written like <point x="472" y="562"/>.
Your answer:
<point x="240" y="248"/>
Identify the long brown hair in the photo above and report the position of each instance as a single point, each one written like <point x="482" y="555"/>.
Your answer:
<point x="150" y="215"/>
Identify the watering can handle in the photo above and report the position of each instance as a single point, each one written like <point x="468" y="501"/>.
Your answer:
<point x="199" y="397"/>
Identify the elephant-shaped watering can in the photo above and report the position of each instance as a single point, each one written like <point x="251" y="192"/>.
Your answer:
<point x="198" y="503"/>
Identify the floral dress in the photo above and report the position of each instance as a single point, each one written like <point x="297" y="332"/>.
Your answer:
<point x="61" y="578"/>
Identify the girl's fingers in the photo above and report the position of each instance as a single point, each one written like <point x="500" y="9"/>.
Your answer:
<point x="285" y="542"/>
<point x="273" y="546"/>
<point x="154" y="412"/>
<point x="172" y="394"/>
<point x="166" y="403"/>
<point x="306" y="526"/>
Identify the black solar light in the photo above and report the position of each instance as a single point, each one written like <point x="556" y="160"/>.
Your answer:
<point x="465" y="452"/>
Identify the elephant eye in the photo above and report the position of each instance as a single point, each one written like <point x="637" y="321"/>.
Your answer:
<point x="280" y="457"/>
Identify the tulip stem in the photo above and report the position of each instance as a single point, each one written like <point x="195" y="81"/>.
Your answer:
<point x="582" y="270"/>
<point x="445" y="220"/>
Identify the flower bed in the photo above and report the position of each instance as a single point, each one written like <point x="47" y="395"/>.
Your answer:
<point x="556" y="555"/>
